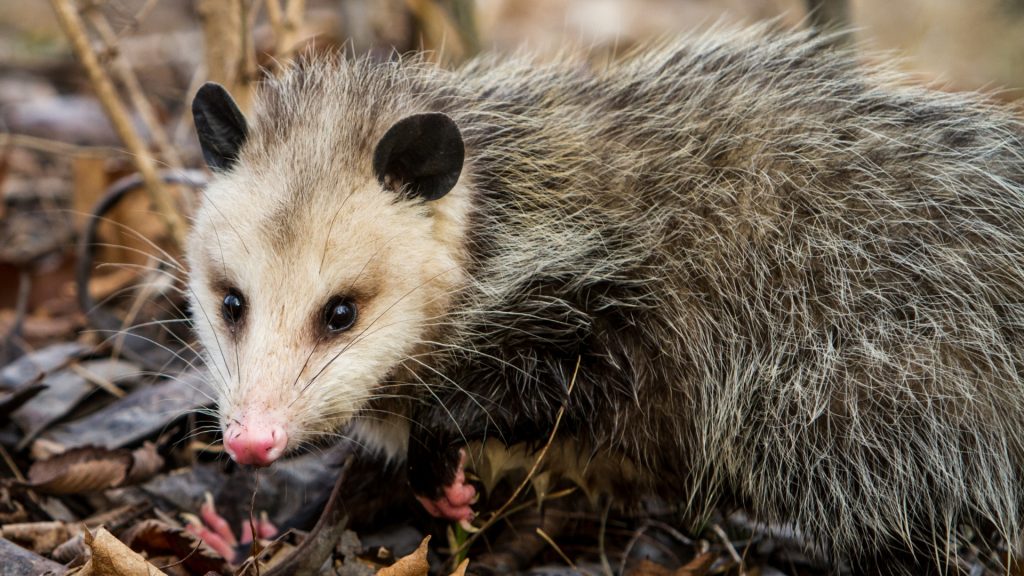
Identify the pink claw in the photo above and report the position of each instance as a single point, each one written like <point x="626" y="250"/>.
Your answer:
<point x="456" y="502"/>
<point x="265" y="529"/>
<point x="216" y="522"/>
<point x="215" y="531"/>
<point x="212" y="539"/>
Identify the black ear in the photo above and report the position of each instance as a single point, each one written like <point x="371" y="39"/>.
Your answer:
<point x="220" y="125"/>
<point x="421" y="154"/>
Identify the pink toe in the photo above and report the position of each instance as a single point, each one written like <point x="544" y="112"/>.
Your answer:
<point x="454" y="513"/>
<point x="213" y="540"/>
<point x="460" y="494"/>
<point x="265" y="528"/>
<point x="215" y="521"/>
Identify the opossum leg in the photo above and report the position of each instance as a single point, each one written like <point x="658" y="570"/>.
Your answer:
<point x="437" y="475"/>
<point x="436" y="456"/>
<point x="455" y="500"/>
<point x="216" y="532"/>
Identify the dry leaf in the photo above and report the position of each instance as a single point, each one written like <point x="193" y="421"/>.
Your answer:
<point x="137" y="416"/>
<point x="110" y="557"/>
<point x="71" y="550"/>
<point x="648" y="568"/>
<point x="14" y="399"/>
<point x="18" y="561"/>
<point x="698" y="566"/>
<point x="155" y="537"/>
<point x="39" y="537"/>
<point x="87" y="469"/>
<point x="146" y="463"/>
<point x="415" y="564"/>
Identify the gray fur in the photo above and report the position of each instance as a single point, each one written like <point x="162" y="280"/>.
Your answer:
<point x="792" y="283"/>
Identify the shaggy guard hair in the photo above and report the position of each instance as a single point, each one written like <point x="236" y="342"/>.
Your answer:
<point x="791" y="282"/>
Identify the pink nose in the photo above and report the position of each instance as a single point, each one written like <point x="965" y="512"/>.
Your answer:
<point x="256" y="444"/>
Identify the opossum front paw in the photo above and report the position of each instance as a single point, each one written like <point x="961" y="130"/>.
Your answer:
<point x="216" y="533"/>
<point x="452" y="500"/>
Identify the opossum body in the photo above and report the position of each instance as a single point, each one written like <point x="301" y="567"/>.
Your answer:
<point x="780" y="279"/>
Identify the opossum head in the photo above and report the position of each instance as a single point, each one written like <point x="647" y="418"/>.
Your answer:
<point x="320" y="258"/>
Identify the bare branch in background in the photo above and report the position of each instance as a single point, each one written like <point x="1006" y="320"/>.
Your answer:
<point x="447" y="28"/>
<point x="230" y="57"/>
<point x="71" y="22"/>
<point x="830" y="16"/>
<point x="126" y="76"/>
<point x="463" y="13"/>
<point x="285" y="25"/>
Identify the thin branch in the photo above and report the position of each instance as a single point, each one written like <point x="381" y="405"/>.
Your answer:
<point x="285" y="25"/>
<point x="74" y="28"/>
<point x="126" y="76"/>
<point x="56" y="146"/>
<point x="230" y="57"/>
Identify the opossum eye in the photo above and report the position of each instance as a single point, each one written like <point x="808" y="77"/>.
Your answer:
<point x="339" y="314"/>
<point x="233" y="307"/>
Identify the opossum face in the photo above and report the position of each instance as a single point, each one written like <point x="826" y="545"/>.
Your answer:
<point x="307" y="301"/>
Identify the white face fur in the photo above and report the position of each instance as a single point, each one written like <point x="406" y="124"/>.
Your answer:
<point x="395" y="262"/>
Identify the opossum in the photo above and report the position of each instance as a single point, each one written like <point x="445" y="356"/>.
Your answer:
<point x="773" y="277"/>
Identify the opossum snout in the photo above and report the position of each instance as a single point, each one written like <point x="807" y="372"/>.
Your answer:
<point x="257" y="443"/>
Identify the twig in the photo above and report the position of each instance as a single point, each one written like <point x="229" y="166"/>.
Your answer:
<point x="126" y="76"/>
<point x="605" y="564"/>
<point x="21" y="304"/>
<point x="440" y="33"/>
<point x="285" y="25"/>
<point x="310" y="555"/>
<point x="463" y="13"/>
<point x="230" y="58"/>
<point x="56" y="146"/>
<point x="138" y="17"/>
<point x="729" y="547"/>
<point x="529" y="475"/>
<point x="551" y="542"/>
<point x="73" y="27"/>
<point x="101" y="382"/>
<point x="10" y="464"/>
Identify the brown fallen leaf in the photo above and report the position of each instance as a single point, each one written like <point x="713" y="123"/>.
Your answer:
<point x="155" y="537"/>
<point x="648" y="568"/>
<point x="87" y="469"/>
<point x="39" y="537"/>
<point x="698" y="566"/>
<point x="141" y="414"/>
<point x="110" y="557"/>
<point x="18" y="561"/>
<point x="414" y="564"/>
<point x="146" y="463"/>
